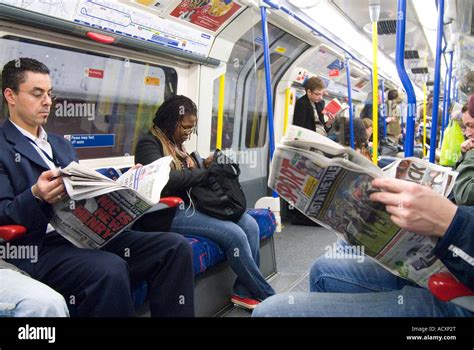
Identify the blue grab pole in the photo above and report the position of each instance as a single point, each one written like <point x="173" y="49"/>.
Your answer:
<point x="349" y="95"/>
<point x="383" y="109"/>
<point x="411" y="97"/>
<point x="434" y="112"/>
<point x="445" y="100"/>
<point x="268" y="83"/>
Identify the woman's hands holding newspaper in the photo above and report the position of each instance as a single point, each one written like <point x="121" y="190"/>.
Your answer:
<point x="414" y="207"/>
<point x="49" y="187"/>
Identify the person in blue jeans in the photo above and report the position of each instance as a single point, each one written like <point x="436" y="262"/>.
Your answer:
<point x="22" y="296"/>
<point x="363" y="288"/>
<point x="174" y="123"/>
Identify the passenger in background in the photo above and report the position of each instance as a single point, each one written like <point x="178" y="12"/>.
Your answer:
<point x="366" y="112"/>
<point x="429" y="114"/>
<point x="174" y="123"/>
<point x="385" y="147"/>
<point x="394" y="129"/>
<point x="418" y="147"/>
<point x="464" y="186"/>
<point x="349" y="287"/>
<point x="22" y="296"/>
<point x="309" y="108"/>
<point x="360" y="136"/>
<point x="368" y="127"/>
<point x="94" y="282"/>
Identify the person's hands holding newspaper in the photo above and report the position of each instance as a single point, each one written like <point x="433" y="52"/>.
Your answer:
<point x="414" y="207"/>
<point x="49" y="187"/>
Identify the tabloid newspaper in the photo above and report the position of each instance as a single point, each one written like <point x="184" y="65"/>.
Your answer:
<point x="99" y="209"/>
<point x="331" y="184"/>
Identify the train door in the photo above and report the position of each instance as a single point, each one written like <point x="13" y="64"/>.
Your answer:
<point x="245" y="114"/>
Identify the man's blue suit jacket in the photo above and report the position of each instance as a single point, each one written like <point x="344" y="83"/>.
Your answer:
<point x="20" y="167"/>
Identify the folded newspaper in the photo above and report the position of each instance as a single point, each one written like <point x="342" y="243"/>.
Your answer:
<point x="99" y="209"/>
<point x="331" y="184"/>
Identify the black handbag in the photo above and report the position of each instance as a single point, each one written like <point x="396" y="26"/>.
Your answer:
<point x="221" y="195"/>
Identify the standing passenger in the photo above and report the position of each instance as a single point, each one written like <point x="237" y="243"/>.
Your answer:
<point x="174" y="123"/>
<point x="309" y="108"/>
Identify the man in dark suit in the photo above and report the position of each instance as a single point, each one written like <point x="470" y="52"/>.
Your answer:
<point x="309" y="105"/>
<point x="93" y="282"/>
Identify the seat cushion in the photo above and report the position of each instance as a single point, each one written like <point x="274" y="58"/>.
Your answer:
<point x="265" y="220"/>
<point x="206" y="253"/>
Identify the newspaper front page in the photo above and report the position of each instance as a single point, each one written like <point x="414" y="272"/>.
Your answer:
<point x="331" y="185"/>
<point x="99" y="209"/>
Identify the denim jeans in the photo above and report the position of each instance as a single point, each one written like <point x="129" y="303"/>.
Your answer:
<point x="22" y="296"/>
<point x="352" y="288"/>
<point x="240" y="242"/>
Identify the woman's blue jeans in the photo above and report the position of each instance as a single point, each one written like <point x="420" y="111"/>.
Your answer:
<point x="241" y="243"/>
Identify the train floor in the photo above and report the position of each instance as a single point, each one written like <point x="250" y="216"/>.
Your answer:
<point x="296" y="249"/>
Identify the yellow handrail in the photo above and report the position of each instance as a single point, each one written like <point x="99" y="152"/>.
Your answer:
<point x="220" y="111"/>
<point x="375" y="96"/>
<point x="287" y="108"/>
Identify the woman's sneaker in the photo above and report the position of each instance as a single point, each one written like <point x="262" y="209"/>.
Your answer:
<point x="246" y="303"/>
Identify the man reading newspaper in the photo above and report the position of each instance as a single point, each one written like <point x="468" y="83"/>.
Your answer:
<point x="351" y="286"/>
<point x="94" y="282"/>
<point x="332" y="184"/>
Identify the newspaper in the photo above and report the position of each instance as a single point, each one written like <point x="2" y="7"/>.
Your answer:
<point x="331" y="185"/>
<point x="99" y="209"/>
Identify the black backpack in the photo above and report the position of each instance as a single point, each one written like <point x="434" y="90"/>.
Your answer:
<point x="221" y="195"/>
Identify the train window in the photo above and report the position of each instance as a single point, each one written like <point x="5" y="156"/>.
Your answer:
<point x="103" y="103"/>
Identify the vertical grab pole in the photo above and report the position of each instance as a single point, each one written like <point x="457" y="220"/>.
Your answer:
<point x="383" y="110"/>
<point x="445" y="100"/>
<point x="424" y="118"/>
<point x="434" y="112"/>
<point x="220" y="112"/>
<point x="375" y="94"/>
<point x="349" y="95"/>
<point x="268" y="83"/>
<point x="287" y="109"/>
<point x="411" y="97"/>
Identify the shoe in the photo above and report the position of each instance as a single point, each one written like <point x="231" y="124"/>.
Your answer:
<point x="246" y="303"/>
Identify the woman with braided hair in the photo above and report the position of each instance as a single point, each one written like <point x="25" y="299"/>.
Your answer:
<point x="174" y="123"/>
